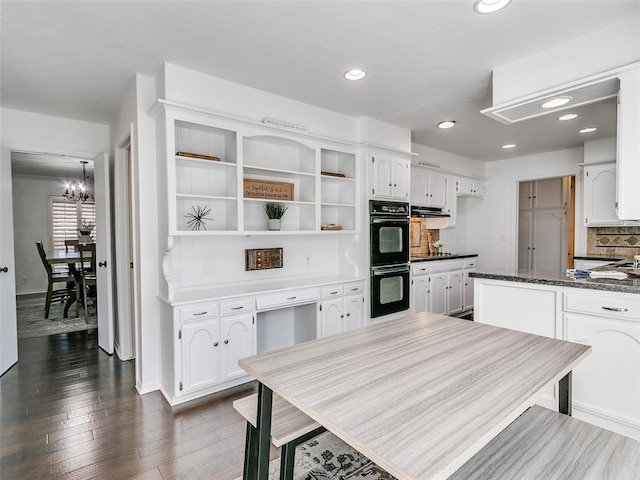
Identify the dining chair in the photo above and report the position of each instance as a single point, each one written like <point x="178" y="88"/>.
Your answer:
<point x="53" y="278"/>
<point x="70" y="245"/>
<point x="88" y="276"/>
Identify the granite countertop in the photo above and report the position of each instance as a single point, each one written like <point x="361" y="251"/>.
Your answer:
<point x="631" y="284"/>
<point x="444" y="256"/>
<point x="601" y="257"/>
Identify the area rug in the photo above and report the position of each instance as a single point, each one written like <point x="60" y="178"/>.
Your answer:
<point x="328" y="457"/>
<point x="31" y="321"/>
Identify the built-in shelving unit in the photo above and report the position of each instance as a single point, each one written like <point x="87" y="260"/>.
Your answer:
<point x="322" y="177"/>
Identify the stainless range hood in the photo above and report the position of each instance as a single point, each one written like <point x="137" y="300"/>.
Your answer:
<point x="428" y="212"/>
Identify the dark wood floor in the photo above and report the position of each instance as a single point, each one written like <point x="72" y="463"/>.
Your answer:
<point x="69" y="410"/>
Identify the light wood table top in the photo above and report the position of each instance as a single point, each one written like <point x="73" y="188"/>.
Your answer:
<point x="419" y="395"/>
<point x="60" y="256"/>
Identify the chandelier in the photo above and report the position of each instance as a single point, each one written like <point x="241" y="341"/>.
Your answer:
<point x="79" y="191"/>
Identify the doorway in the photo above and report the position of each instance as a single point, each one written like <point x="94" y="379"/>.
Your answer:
<point x="545" y="224"/>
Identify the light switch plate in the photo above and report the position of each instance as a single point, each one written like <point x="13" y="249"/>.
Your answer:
<point x="262" y="258"/>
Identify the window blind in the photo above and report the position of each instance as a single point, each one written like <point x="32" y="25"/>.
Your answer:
<point x="66" y="217"/>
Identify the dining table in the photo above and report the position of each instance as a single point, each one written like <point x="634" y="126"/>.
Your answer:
<point x="419" y="395"/>
<point x="71" y="258"/>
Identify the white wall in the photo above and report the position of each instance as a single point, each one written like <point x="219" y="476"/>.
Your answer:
<point x="30" y="225"/>
<point x="601" y="50"/>
<point x="44" y="133"/>
<point x="493" y="221"/>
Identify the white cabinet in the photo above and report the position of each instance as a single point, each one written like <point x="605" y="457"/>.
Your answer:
<point x="606" y="385"/>
<point x="470" y="187"/>
<point x="200" y="355"/>
<point x="428" y="188"/>
<point x="469" y="266"/>
<point x="341" y="309"/>
<point x="441" y="286"/>
<point x="209" y="340"/>
<point x="389" y="177"/>
<point x="628" y="147"/>
<point x="210" y="159"/>
<point x="451" y="203"/>
<point x="599" y="199"/>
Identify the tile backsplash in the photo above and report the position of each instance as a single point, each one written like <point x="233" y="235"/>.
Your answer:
<point x="614" y="241"/>
<point x="420" y="237"/>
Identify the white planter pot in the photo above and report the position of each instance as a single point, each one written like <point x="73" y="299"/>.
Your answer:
<point x="275" y="223"/>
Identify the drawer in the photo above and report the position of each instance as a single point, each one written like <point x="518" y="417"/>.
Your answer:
<point x="332" y="291"/>
<point x="198" y="312"/>
<point x="617" y="306"/>
<point x="422" y="268"/>
<point x="469" y="264"/>
<point x="231" y="307"/>
<point x="354" y="288"/>
<point x="291" y="297"/>
<point x="446" y="265"/>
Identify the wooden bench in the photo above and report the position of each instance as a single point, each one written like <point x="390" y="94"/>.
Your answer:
<point x="289" y="428"/>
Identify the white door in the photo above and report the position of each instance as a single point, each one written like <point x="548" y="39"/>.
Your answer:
<point x="332" y="316"/>
<point x="8" y="325"/>
<point x="103" y="252"/>
<point x="353" y="312"/>
<point x="549" y="251"/>
<point x="438" y="293"/>
<point x="237" y="342"/>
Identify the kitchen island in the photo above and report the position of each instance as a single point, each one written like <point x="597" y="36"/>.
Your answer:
<point x="601" y="312"/>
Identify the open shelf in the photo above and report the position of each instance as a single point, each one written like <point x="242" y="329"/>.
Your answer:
<point x="300" y="216"/>
<point x="287" y="155"/>
<point x="223" y="215"/>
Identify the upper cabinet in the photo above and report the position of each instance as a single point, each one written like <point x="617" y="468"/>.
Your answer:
<point x="428" y="188"/>
<point x="389" y="177"/>
<point x="628" y="148"/>
<point x="220" y="174"/>
<point x="470" y="188"/>
<point x="599" y="198"/>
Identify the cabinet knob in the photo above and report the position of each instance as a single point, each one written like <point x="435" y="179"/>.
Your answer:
<point x="395" y="184"/>
<point x="348" y="314"/>
<point x="215" y="344"/>
<point x="390" y="185"/>
<point x="341" y="316"/>
<point x="4" y="269"/>
<point x="226" y="341"/>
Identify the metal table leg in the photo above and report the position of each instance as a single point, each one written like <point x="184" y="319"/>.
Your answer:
<point x="263" y="420"/>
<point x="565" y="394"/>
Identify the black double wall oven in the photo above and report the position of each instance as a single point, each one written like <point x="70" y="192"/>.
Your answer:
<point x="389" y="247"/>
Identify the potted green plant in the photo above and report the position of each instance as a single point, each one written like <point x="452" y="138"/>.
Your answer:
<point x="274" y="212"/>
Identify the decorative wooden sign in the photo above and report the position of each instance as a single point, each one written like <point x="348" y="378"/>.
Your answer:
<point x="267" y="190"/>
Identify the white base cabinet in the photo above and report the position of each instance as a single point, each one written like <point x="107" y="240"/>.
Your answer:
<point x="606" y="384"/>
<point x="202" y="341"/>
<point x="442" y="286"/>
<point x="341" y="309"/>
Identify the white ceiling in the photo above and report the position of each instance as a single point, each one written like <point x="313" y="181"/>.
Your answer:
<point x="426" y="60"/>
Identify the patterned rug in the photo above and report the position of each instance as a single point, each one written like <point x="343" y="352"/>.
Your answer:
<point x="31" y="321"/>
<point x="328" y="457"/>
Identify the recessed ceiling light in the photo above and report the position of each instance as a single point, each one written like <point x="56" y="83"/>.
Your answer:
<point x="509" y="145"/>
<point x="588" y="130"/>
<point x="490" y="6"/>
<point x="555" y="102"/>
<point x="568" y="116"/>
<point x="447" y="124"/>
<point x="355" y="74"/>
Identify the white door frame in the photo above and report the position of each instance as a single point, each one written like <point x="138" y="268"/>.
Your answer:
<point x="126" y="236"/>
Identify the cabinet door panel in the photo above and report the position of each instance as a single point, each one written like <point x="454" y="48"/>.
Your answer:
<point x="468" y="290"/>
<point x="525" y="220"/>
<point x="238" y="341"/>
<point x="438" y="293"/>
<point x="608" y="380"/>
<point x="381" y="176"/>
<point x="400" y="179"/>
<point x="420" y="293"/>
<point x="548" y="193"/>
<point x="353" y="312"/>
<point x="437" y="190"/>
<point x="600" y="195"/>
<point x="454" y="292"/>
<point x="419" y="195"/>
<point x="332" y="317"/>
<point x="201" y="349"/>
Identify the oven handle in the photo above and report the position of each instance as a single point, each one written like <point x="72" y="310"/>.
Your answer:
<point x="402" y="220"/>
<point x="386" y="270"/>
